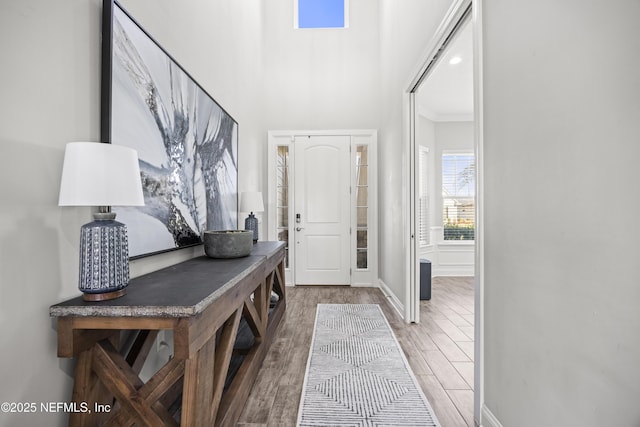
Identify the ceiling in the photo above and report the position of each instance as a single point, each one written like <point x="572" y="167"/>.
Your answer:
<point x="447" y="92"/>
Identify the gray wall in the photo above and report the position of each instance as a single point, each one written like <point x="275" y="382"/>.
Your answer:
<point x="406" y="28"/>
<point x="562" y="139"/>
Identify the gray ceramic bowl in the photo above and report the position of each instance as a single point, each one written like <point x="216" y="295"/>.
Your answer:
<point x="228" y="243"/>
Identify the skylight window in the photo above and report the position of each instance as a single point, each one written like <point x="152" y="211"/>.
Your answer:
<point x="321" y="13"/>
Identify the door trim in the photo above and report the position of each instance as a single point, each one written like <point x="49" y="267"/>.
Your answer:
<point x="359" y="277"/>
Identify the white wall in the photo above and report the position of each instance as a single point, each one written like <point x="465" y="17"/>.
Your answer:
<point x="561" y="143"/>
<point x="321" y="78"/>
<point x="50" y="95"/>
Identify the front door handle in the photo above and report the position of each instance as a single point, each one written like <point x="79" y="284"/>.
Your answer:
<point x="299" y="228"/>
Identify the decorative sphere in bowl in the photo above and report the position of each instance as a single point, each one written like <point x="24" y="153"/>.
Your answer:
<point x="228" y="243"/>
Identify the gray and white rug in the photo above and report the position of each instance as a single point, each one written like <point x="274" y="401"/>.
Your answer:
<point x="357" y="374"/>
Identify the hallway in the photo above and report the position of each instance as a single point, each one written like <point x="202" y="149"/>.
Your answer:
<point x="439" y="350"/>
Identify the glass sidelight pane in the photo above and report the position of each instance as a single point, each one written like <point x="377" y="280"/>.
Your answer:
<point x="362" y="154"/>
<point x="283" y="156"/>
<point x="283" y="236"/>
<point x="283" y="197"/>
<point x="361" y="219"/>
<point x="361" y="239"/>
<point x="361" y="175"/>
<point x="282" y="176"/>
<point x="362" y="198"/>
<point x="362" y="204"/>
<point x="282" y="221"/>
<point x="361" y="258"/>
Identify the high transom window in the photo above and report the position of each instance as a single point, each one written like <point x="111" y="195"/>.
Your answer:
<point x="321" y="13"/>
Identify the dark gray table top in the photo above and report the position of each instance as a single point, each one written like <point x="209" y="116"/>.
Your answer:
<point x="182" y="290"/>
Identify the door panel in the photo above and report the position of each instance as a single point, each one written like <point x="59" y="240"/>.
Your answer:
<point x="322" y="181"/>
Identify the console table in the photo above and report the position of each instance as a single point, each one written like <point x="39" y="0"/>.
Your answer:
<point x="223" y="320"/>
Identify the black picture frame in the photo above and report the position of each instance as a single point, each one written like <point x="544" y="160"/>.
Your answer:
<point x="187" y="143"/>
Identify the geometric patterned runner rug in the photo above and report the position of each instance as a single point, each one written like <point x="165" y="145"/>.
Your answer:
<point x="357" y="374"/>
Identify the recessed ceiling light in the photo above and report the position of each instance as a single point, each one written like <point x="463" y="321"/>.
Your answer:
<point x="455" y="60"/>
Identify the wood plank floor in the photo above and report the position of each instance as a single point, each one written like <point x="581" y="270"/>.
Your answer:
<point x="439" y="350"/>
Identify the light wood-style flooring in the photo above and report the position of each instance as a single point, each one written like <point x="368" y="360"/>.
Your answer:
<point x="439" y="350"/>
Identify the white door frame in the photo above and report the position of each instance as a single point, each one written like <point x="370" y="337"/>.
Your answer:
<point x="277" y="138"/>
<point x="456" y="13"/>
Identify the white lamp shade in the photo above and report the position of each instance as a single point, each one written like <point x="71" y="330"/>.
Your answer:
<point x="100" y="174"/>
<point x="251" y="201"/>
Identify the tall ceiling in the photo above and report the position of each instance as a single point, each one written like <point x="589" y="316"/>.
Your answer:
<point x="447" y="92"/>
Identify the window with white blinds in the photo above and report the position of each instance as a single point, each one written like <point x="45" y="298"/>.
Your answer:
<point x="458" y="195"/>
<point x="424" y="226"/>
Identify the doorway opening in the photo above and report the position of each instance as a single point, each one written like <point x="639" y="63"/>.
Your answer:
<point x="444" y="193"/>
<point x="444" y="172"/>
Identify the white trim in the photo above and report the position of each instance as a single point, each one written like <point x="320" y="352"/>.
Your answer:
<point x="346" y="13"/>
<point x="273" y="141"/>
<point x="488" y="419"/>
<point x="409" y="200"/>
<point x="450" y="20"/>
<point x="393" y="299"/>
<point x="366" y="276"/>
<point x="330" y="132"/>
<point x="434" y="117"/>
<point x="478" y="112"/>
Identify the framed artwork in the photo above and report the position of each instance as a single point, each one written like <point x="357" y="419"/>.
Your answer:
<point x="187" y="144"/>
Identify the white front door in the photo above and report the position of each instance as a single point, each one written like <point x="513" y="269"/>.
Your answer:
<point x="322" y="210"/>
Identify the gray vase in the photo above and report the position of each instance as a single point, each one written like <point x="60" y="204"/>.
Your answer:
<point x="228" y="243"/>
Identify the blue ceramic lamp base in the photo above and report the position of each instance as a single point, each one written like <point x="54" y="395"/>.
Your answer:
<point x="104" y="258"/>
<point x="251" y="223"/>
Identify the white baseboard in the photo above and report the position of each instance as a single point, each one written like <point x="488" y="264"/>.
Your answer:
<point x="453" y="271"/>
<point x="395" y="302"/>
<point x="488" y="419"/>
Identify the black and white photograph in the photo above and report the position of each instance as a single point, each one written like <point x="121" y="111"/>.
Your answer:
<point x="187" y="145"/>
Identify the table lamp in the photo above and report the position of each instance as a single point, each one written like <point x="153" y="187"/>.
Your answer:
<point x="103" y="175"/>
<point x="251" y="201"/>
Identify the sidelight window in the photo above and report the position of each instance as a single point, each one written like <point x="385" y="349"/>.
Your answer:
<point x="362" y="206"/>
<point x="282" y="198"/>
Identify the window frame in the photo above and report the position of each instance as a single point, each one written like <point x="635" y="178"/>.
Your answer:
<point x="296" y="17"/>
<point x="463" y="152"/>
